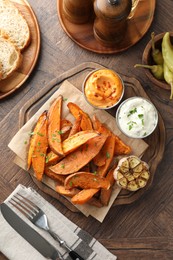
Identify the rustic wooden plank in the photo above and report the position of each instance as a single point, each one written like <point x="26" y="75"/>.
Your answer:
<point x="141" y="248"/>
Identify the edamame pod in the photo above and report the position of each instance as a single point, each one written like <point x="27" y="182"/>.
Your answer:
<point x="167" y="51"/>
<point x="168" y="76"/>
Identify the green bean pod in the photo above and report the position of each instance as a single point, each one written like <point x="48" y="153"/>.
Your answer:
<point x="167" y="51"/>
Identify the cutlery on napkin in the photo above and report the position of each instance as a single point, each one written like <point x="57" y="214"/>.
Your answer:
<point x="15" y="247"/>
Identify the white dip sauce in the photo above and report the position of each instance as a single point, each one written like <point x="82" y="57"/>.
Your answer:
<point x="137" y="117"/>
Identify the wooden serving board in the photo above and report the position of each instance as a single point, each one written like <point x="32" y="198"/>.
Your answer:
<point x="156" y="141"/>
<point x="137" y="26"/>
<point x="30" y="54"/>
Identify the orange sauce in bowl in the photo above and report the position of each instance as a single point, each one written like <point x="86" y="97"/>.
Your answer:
<point x="103" y="88"/>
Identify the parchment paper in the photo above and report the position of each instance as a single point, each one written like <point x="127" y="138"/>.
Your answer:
<point x="20" y="142"/>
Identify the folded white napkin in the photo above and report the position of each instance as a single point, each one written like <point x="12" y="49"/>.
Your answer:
<point x="14" y="247"/>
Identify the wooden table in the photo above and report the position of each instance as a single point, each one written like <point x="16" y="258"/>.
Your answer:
<point x="143" y="229"/>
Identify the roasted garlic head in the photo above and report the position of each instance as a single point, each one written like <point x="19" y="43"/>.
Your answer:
<point x="131" y="173"/>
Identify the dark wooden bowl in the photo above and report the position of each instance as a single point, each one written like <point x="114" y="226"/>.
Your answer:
<point x="147" y="59"/>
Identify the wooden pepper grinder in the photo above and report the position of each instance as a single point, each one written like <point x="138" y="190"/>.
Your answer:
<point x="78" y="11"/>
<point x="111" y="20"/>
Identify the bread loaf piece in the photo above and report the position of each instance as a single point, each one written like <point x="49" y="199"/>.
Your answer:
<point x="13" y="24"/>
<point x="10" y="58"/>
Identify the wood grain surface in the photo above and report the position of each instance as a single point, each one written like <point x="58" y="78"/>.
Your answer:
<point x="144" y="228"/>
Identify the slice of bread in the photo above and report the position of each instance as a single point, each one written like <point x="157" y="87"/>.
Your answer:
<point x="10" y="58"/>
<point x="13" y="24"/>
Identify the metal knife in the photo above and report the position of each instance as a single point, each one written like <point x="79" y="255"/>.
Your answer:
<point x="29" y="234"/>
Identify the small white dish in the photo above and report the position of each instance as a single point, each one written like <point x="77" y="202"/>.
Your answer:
<point x="137" y="117"/>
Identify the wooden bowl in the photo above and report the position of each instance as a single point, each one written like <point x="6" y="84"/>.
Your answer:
<point x="147" y="59"/>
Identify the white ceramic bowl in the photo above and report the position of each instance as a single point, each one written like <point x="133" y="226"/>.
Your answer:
<point x="137" y="117"/>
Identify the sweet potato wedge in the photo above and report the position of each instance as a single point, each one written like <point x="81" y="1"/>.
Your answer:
<point x="76" y="140"/>
<point x="86" y="180"/>
<point x="65" y="123"/>
<point x="76" y="126"/>
<point x="33" y="139"/>
<point x="96" y="123"/>
<point x="86" y="123"/>
<point x="56" y="177"/>
<point x="121" y="148"/>
<point x="52" y="158"/>
<point x="84" y="196"/>
<point x="66" y="127"/>
<point x="72" y="143"/>
<point x="101" y="157"/>
<point x="40" y="145"/>
<point x="104" y="154"/>
<point x="95" y="202"/>
<point x="69" y="193"/>
<point x="108" y="154"/>
<point x="54" y="126"/>
<point x="110" y="176"/>
<point x="106" y="194"/>
<point x="74" y="161"/>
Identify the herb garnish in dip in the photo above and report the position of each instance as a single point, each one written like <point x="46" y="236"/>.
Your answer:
<point x="137" y="117"/>
<point x="103" y="88"/>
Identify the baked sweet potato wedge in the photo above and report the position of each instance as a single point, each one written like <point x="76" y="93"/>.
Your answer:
<point x="76" y="140"/>
<point x="101" y="157"/>
<point x="53" y="176"/>
<point x="86" y="123"/>
<point x="54" y="126"/>
<point x="76" y="126"/>
<point x="106" y="194"/>
<point x="72" y="143"/>
<point x="121" y="148"/>
<point x="84" y="196"/>
<point x="33" y="139"/>
<point x="95" y="202"/>
<point x="66" y="127"/>
<point x="69" y="193"/>
<point x="40" y="145"/>
<point x="96" y="123"/>
<point x="74" y="161"/>
<point x="86" y="180"/>
<point x="52" y="158"/>
<point x="108" y="155"/>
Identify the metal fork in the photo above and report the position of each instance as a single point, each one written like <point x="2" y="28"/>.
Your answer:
<point x="39" y="218"/>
